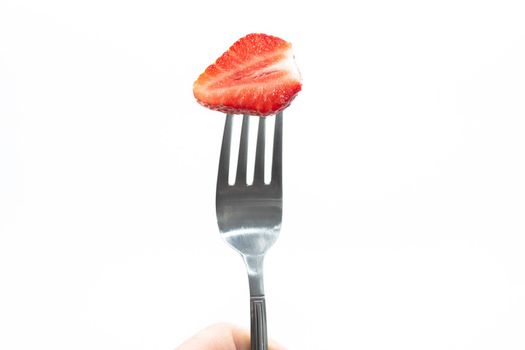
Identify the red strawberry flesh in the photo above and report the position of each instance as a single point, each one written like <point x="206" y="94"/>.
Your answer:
<point x="256" y="76"/>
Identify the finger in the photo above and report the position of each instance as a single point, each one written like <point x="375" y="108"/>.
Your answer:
<point x="222" y="337"/>
<point x="242" y="340"/>
<point x="216" y="337"/>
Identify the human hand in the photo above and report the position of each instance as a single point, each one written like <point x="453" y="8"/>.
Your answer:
<point x="222" y="336"/>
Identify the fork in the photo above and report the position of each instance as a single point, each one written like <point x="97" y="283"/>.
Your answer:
<point x="249" y="216"/>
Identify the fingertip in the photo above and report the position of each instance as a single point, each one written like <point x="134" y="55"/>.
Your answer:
<point x="241" y="338"/>
<point x="223" y="336"/>
<point x="273" y="345"/>
<point x="214" y="337"/>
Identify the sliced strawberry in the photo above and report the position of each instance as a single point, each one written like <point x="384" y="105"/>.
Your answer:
<point x="257" y="76"/>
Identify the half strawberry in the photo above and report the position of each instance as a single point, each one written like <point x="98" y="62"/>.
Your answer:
<point x="256" y="76"/>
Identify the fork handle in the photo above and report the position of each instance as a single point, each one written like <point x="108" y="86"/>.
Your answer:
<point x="259" y="336"/>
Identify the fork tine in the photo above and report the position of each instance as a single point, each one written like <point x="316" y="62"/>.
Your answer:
<point x="277" y="158"/>
<point x="224" y="161"/>
<point x="258" y="176"/>
<point x="242" y="163"/>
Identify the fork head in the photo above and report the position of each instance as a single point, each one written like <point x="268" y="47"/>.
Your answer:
<point x="249" y="216"/>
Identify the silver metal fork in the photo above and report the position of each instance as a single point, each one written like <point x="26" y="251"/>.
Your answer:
<point x="249" y="216"/>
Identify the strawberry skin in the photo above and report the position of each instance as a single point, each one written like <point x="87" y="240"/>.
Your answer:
<point x="256" y="76"/>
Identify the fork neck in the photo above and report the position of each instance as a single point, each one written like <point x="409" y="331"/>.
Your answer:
<point x="254" y="265"/>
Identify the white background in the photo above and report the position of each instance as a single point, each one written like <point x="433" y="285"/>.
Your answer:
<point x="404" y="223"/>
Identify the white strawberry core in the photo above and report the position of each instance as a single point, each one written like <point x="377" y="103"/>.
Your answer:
<point x="287" y="64"/>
